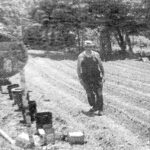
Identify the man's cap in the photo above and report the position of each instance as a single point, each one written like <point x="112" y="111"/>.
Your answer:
<point x="88" y="43"/>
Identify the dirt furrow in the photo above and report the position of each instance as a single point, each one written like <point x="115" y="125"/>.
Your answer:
<point x="69" y="103"/>
<point x="80" y="94"/>
<point x="76" y="84"/>
<point x="131" y="109"/>
<point x="55" y="86"/>
<point x="74" y="76"/>
<point x="60" y="87"/>
<point x="128" y="87"/>
<point x="138" y="128"/>
<point x="136" y="65"/>
<point x="128" y="82"/>
<point x="120" y="78"/>
<point x="72" y="88"/>
<point x="60" y="97"/>
<point x="110" y="76"/>
<point x="134" y="92"/>
<point x="124" y="71"/>
<point x="127" y="97"/>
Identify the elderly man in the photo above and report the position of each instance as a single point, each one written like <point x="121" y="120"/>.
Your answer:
<point x="91" y="75"/>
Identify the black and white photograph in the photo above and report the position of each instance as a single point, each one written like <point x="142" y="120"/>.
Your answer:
<point x="74" y="74"/>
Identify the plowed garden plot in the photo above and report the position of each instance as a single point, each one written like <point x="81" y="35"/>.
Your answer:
<point x="55" y="86"/>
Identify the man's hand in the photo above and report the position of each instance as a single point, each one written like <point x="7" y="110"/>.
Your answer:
<point x="103" y="79"/>
<point x="81" y="81"/>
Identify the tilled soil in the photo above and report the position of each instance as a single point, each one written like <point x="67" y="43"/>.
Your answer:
<point x="55" y="86"/>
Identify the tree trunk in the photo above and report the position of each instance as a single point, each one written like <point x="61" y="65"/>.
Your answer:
<point x="105" y="44"/>
<point x="82" y="39"/>
<point x="78" y="40"/>
<point x="129" y="43"/>
<point x="52" y="41"/>
<point x="46" y="38"/>
<point x="120" y="39"/>
<point x="147" y="6"/>
<point x="102" y="47"/>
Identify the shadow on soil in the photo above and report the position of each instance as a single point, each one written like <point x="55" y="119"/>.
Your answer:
<point x="55" y="55"/>
<point x="89" y="114"/>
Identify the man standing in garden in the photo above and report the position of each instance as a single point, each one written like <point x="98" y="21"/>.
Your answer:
<point x="91" y="76"/>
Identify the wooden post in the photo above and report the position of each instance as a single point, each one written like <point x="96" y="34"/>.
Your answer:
<point x="26" y="115"/>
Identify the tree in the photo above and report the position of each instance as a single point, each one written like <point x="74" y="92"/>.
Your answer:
<point x="63" y="18"/>
<point x="14" y="16"/>
<point x="60" y="20"/>
<point x="120" y="20"/>
<point x="105" y="44"/>
<point x="97" y="10"/>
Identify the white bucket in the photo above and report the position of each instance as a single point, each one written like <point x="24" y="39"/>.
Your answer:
<point x="76" y="137"/>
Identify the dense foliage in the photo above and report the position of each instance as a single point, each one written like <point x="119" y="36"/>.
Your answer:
<point x="66" y="23"/>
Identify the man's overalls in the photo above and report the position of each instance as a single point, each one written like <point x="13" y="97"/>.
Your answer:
<point x="92" y="82"/>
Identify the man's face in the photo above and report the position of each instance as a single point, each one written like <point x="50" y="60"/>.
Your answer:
<point x="88" y="47"/>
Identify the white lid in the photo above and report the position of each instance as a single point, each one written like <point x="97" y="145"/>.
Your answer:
<point x="79" y="133"/>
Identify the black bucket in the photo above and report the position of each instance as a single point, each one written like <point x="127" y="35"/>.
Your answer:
<point x="32" y="110"/>
<point x="10" y="87"/>
<point x="43" y="118"/>
<point x="17" y="96"/>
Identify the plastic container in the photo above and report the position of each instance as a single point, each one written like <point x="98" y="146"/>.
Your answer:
<point x="17" y="96"/>
<point x="10" y="87"/>
<point x="43" y="118"/>
<point x="42" y="135"/>
<point x="75" y="137"/>
<point x="32" y="110"/>
<point x="23" y="140"/>
<point x="50" y="136"/>
<point x="4" y="89"/>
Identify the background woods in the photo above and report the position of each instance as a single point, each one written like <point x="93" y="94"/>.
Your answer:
<point x="55" y="25"/>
